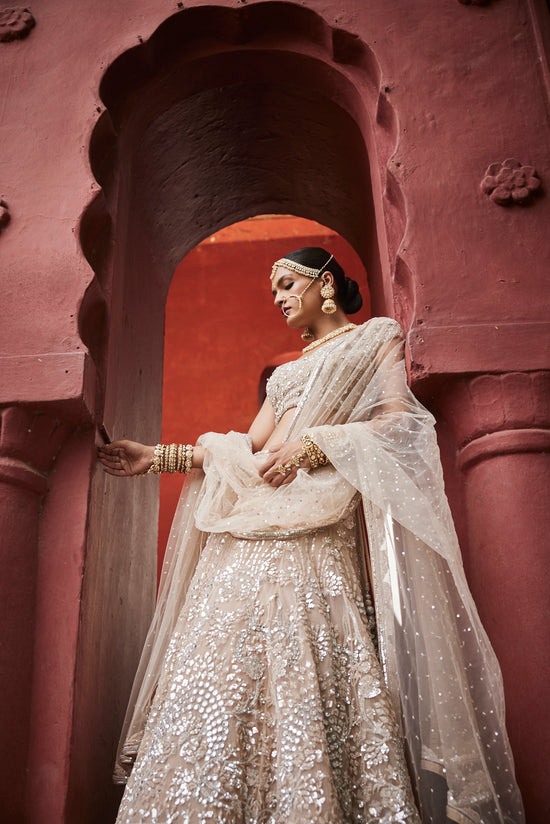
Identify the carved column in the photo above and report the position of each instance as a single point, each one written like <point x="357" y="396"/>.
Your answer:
<point x="28" y="443"/>
<point x="501" y="425"/>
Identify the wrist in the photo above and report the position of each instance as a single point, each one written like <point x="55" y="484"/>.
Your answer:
<point x="314" y="453"/>
<point x="170" y="458"/>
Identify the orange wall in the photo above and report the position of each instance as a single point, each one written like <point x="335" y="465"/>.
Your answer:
<point x="211" y="371"/>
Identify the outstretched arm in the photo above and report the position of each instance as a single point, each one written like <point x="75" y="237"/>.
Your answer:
<point x="126" y="458"/>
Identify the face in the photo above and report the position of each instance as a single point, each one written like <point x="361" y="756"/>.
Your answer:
<point x="286" y="288"/>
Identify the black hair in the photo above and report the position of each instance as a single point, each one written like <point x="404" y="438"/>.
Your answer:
<point x="347" y="290"/>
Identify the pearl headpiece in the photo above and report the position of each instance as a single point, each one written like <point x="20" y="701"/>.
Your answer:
<point x="299" y="268"/>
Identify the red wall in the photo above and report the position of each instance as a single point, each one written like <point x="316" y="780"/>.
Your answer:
<point x="212" y="370"/>
<point x="378" y="119"/>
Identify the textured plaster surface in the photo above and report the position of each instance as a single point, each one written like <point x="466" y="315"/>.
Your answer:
<point x="471" y="267"/>
<point x="378" y="120"/>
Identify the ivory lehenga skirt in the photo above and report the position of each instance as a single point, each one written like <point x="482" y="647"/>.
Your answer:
<point x="271" y="708"/>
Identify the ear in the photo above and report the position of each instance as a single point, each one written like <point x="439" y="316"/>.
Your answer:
<point x="328" y="277"/>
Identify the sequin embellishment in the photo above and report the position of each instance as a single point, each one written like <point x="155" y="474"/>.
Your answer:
<point x="271" y="707"/>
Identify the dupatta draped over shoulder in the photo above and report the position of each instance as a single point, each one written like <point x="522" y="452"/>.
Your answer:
<point x="437" y="661"/>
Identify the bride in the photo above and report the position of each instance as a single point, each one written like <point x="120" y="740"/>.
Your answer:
<point x="315" y="654"/>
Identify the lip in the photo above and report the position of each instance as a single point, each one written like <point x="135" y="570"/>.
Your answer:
<point x="286" y="310"/>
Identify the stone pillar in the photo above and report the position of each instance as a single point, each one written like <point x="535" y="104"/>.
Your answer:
<point x="28" y="443"/>
<point x="501" y="425"/>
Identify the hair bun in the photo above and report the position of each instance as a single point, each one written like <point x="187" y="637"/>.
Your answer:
<point x="351" y="299"/>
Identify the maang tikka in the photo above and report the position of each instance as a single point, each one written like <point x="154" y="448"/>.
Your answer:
<point x="328" y="306"/>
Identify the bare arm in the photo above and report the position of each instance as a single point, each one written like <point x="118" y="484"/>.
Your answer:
<point x="262" y="426"/>
<point x="127" y="458"/>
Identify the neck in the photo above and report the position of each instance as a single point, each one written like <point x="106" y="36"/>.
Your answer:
<point x="325" y="324"/>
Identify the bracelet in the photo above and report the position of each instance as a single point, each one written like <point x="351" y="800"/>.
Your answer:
<point x="295" y="461"/>
<point x="315" y="454"/>
<point x="171" y="458"/>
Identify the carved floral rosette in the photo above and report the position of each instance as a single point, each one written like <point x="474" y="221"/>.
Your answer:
<point x="510" y="182"/>
<point x="15" y="24"/>
<point x="4" y="214"/>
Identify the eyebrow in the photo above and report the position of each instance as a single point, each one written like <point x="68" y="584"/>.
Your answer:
<point x="279" y="283"/>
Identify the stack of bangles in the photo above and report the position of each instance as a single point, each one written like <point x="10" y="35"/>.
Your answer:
<point x="316" y="457"/>
<point x="173" y="457"/>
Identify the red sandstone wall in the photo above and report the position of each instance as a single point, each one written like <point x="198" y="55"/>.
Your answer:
<point x="379" y="120"/>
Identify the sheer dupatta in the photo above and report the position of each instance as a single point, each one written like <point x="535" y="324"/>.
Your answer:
<point x="437" y="660"/>
<point x="182" y="553"/>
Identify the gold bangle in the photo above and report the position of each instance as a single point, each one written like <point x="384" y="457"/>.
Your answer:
<point x="315" y="454"/>
<point x="171" y="458"/>
<point x="188" y="459"/>
<point x="157" y="460"/>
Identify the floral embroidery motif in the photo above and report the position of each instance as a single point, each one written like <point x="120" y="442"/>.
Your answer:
<point x="510" y="182"/>
<point x="271" y="707"/>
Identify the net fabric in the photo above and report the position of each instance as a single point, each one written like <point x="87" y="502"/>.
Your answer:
<point x="181" y="557"/>
<point x="437" y="660"/>
<point x="270" y="705"/>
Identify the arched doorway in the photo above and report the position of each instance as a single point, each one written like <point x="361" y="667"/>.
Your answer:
<point x="223" y="114"/>
<point x="222" y="331"/>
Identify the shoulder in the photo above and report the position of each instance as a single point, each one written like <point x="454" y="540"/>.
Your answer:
<point x="379" y="331"/>
<point x="372" y="342"/>
<point x="365" y="345"/>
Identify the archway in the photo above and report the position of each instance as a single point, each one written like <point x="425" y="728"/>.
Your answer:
<point x="221" y="331"/>
<point x="221" y="115"/>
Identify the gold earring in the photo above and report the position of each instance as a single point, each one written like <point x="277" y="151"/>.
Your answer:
<point x="307" y="334"/>
<point x="328" y="306"/>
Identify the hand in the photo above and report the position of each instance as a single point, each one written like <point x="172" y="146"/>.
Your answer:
<point x="280" y="455"/>
<point x="125" y="458"/>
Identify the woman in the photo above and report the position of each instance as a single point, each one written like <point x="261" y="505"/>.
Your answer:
<point x="270" y="689"/>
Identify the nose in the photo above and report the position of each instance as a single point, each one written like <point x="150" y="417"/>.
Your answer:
<point x="278" y="298"/>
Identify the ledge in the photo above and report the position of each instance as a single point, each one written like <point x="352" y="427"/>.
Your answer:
<point x="66" y="381"/>
<point x="505" y="442"/>
<point x="478" y="348"/>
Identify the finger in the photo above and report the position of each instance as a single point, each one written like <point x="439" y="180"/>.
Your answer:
<point x="106" y="462"/>
<point x="110" y="461"/>
<point x="119" y="473"/>
<point x="108" y="456"/>
<point x="267" y="466"/>
<point x="274" y="473"/>
<point x="108" y="448"/>
<point x="279" y="479"/>
<point x="271" y="476"/>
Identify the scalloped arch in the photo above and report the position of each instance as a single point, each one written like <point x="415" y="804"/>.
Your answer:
<point x="221" y="114"/>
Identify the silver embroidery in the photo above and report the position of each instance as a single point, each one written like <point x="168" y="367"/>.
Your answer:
<point x="271" y="707"/>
